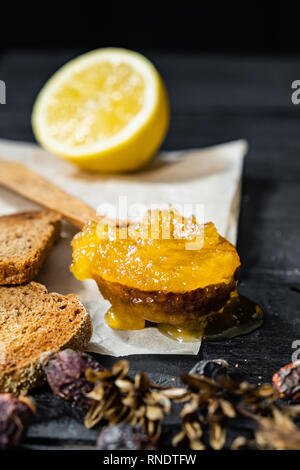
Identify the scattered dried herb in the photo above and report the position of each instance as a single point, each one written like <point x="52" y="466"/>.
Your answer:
<point x="119" y="398"/>
<point x="213" y="402"/>
<point x="241" y="443"/>
<point x="133" y="408"/>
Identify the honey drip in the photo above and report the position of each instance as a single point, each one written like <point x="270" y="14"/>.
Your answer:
<point x="118" y="318"/>
<point x="239" y="316"/>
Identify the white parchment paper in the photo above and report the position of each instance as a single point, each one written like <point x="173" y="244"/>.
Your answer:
<point x="210" y="176"/>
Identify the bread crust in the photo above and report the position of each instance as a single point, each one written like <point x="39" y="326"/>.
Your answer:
<point x="21" y="270"/>
<point x="30" y="374"/>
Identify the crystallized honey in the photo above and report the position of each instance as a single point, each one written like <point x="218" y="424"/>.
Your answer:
<point x="165" y="269"/>
<point x="155" y="264"/>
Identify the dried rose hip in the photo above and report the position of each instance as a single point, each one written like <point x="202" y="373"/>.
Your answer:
<point x="123" y="436"/>
<point x="15" y="414"/>
<point x="212" y="369"/>
<point x="66" y="377"/>
<point x="287" y="381"/>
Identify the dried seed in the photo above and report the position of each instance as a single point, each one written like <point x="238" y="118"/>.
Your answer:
<point x="110" y="400"/>
<point x="141" y="382"/>
<point x="162" y="400"/>
<point x="157" y="433"/>
<point x="131" y="401"/>
<point x="197" y="445"/>
<point x="154" y="413"/>
<point x="266" y="391"/>
<point x="213" y="405"/>
<point x="176" y="393"/>
<point x="217" y="436"/>
<point x="94" y="415"/>
<point x="240" y="443"/>
<point x="96" y="377"/>
<point x="178" y="438"/>
<point x="282" y="420"/>
<point x="275" y="436"/>
<point x="124" y="385"/>
<point x="151" y="428"/>
<point x="97" y="393"/>
<point x="140" y="411"/>
<point x="197" y="382"/>
<point x="227" y="408"/>
<point x="120" y="369"/>
<point x="189" y="409"/>
<point x="193" y="429"/>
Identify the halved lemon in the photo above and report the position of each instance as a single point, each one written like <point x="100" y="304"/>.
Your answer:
<point x="106" y="110"/>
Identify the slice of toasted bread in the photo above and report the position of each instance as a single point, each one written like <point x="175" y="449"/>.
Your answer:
<point x="33" y="321"/>
<point x="25" y="241"/>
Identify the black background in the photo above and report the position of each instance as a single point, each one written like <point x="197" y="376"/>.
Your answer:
<point x="241" y="27"/>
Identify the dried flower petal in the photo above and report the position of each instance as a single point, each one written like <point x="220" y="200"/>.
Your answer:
<point x="227" y="408"/>
<point x="189" y="409"/>
<point x="193" y="429"/>
<point x="271" y="435"/>
<point x="213" y="405"/>
<point x="154" y="413"/>
<point x="120" y="369"/>
<point x="217" y="436"/>
<point x="141" y="382"/>
<point x="124" y="385"/>
<point x="177" y="394"/>
<point x="240" y="443"/>
<point x="197" y="445"/>
<point x="266" y="391"/>
<point x="178" y="439"/>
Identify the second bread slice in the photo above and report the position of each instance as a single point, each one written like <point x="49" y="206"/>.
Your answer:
<point x="33" y="321"/>
<point x="25" y="241"/>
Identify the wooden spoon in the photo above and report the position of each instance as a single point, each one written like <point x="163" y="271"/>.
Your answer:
<point x="31" y="185"/>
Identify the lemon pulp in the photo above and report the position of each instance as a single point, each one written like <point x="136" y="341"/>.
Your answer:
<point x="96" y="104"/>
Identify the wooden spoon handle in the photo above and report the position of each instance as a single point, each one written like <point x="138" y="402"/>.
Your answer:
<point x="31" y="185"/>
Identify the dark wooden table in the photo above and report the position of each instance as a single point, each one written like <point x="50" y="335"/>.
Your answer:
<point x="213" y="100"/>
